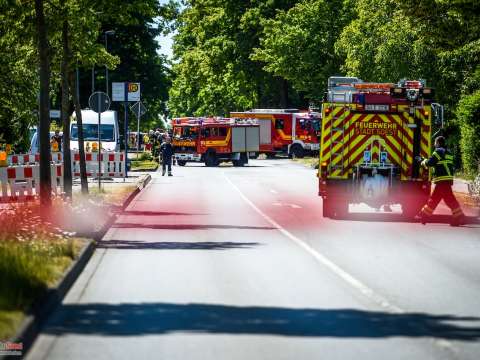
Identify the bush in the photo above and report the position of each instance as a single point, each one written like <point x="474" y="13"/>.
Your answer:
<point x="468" y="116"/>
<point x="145" y="156"/>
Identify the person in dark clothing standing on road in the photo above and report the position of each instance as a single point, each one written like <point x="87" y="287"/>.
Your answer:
<point x="442" y="162"/>
<point x="166" y="149"/>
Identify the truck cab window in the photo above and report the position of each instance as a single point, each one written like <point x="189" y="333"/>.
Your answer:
<point x="222" y="132"/>
<point x="279" y="124"/>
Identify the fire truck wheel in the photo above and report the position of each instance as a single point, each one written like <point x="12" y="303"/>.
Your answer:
<point x="297" y="151"/>
<point x="211" y="159"/>
<point x="181" y="162"/>
<point x="242" y="161"/>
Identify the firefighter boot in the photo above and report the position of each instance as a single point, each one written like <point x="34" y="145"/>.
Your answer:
<point x="458" y="221"/>
<point x="422" y="217"/>
<point x="458" y="217"/>
<point x="163" y="173"/>
<point x="170" y="173"/>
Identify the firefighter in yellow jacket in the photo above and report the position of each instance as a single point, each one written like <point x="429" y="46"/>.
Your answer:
<point x="442" y="163"/>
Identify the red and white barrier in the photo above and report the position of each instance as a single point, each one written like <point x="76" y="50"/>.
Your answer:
<point x="112" y="164"/>
<point x="27" y="159"/>
<point x="22" y="183"/>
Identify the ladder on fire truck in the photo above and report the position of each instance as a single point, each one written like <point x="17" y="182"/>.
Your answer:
<point x="337" y="132"/>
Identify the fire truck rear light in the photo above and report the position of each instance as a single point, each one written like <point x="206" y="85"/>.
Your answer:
<point x="324" y="163"/>
<point x="425" y="113"/>
<point x="328" y="110"/>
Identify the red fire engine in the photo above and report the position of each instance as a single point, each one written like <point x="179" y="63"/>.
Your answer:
<point x="214" y="140"/>
<point x="287" y="131"/>
<point x="371" y="136"/>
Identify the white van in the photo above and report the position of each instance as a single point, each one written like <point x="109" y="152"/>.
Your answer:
<point x="109" y="130"/>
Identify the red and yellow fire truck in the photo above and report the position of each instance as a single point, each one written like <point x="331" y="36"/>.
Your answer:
<point x="214" y="140"/>
<point x="371" y="135"/>
<point x="287" y="131"/>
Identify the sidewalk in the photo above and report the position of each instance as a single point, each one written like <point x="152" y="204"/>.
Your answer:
<point x="460" y="188"/>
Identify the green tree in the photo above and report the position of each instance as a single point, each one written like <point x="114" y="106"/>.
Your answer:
<point x="382" y="44"/>
<point x="298" y="44"/>
<point x="468" y="114"/>
<point x="18" y="74"/>
<point x="213" y="71"/>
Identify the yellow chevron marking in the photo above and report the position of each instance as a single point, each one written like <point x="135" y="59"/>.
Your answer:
<point x="354" y="143"/>
<point x="337" y="134"/>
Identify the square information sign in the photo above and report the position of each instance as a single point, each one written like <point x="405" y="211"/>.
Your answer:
<point x="118" y="91"/>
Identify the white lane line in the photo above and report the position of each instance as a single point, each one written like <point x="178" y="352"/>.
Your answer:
<point x="337" y="270"/>
<point x="357" y="284"/>
<point x="273" y="191"/>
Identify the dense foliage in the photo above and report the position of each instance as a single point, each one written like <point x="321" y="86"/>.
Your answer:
<point x="240" y="54"/>
<point x="132" y="53"/>
<point x="214" y="73"/>
<point x="468" y="114"/>
<point x="230" y="54"/>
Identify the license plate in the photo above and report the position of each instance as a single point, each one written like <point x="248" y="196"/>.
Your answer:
<point x="371" y="107"/>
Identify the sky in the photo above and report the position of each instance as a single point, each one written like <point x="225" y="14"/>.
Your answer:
<point x="165" y="45"/>
<point x="165" y="42"/>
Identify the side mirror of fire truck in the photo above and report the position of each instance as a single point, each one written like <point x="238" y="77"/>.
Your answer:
<point x="438" y="112"/>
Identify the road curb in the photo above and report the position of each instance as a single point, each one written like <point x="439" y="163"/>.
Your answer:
<point x="44" y="306"/>
<point x="141" y="183"/>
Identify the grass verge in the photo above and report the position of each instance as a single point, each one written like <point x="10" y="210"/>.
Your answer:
<point x="143" y="165"/>
<point x="114" y="195"/>
<point x="311" y="162"/>
<point x="33" y="257"/>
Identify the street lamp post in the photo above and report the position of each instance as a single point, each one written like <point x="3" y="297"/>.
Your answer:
<point x="105" y="34"/>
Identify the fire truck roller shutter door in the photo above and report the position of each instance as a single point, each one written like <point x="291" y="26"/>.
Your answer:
<point x="265" y="131"/>
<point x="238" y="139"/>
<point x="253" y="139"/>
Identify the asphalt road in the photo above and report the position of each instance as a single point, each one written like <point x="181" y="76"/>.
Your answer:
<point x="238" y="263"/>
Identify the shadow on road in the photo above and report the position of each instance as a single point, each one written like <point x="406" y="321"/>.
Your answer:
<point x="156" y="213"/>
<point x="187" y="226"/>
<point x="172" y="245"/>
<point x="161" y="318"/>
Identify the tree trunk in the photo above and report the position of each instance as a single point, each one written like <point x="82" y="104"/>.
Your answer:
<point x="67" y="161"/>
<point x="81" y="146"/>
<point x="44" y="126"/>
<point x="284" y="101"/>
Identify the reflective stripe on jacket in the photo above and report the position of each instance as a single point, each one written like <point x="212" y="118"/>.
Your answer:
<point x="442" y="163"/>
